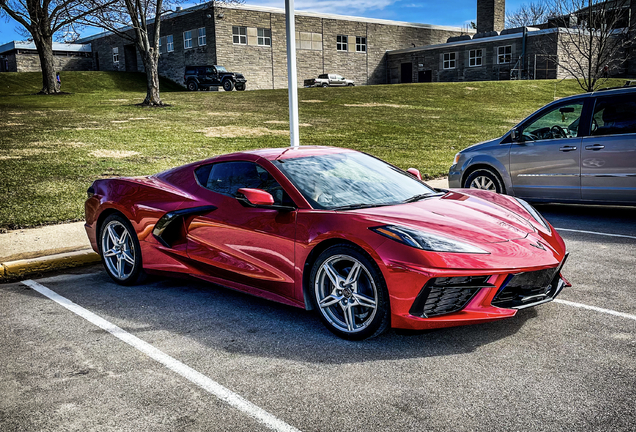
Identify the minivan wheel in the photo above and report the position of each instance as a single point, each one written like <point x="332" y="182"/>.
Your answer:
<point x="484" y="179"/>
<point x="192" y="86"/>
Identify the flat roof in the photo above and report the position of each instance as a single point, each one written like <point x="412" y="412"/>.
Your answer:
<point x="282" y="11"/>
<point x="477" y="41"/>
<point x="26" y="45"/>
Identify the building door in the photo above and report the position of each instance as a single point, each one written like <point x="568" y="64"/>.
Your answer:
<point x="130" y="58"/>
<point x="407" y="73"/>
<point x="96" y="61"/>
<point x="425" y="76"/>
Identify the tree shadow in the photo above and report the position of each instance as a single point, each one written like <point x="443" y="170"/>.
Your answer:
<point x="237" y="323"/>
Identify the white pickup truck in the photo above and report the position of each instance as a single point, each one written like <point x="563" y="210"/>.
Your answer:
<point x="328" y="80"/>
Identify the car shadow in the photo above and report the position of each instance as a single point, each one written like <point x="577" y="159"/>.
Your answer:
<point x="222" y="319"/>
<point x="602" y="219"/>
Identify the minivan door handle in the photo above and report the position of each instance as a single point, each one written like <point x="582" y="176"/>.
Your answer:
<point x="567" y="148"/>
<point x="595" y="147"/>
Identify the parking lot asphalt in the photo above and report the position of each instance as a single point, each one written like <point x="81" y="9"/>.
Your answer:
<point x="553" y="367"/>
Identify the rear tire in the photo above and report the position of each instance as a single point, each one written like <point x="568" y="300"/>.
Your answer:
<point x="325" y="85"/>
<point x="484" y="179"/>
<point x="120" y="251"/>
<point x="193" y="86"/>
<point x="228" y="85"/>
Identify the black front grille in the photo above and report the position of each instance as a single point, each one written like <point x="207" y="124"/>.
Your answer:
<point x="446" y="295"/>
<point x="524" y="289"/>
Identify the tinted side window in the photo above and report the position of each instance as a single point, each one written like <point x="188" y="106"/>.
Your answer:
<point x="228" y="177"/>
<point x="614" y="115"/>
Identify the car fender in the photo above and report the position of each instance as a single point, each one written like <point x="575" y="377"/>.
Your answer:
<point x="492" y="162"/>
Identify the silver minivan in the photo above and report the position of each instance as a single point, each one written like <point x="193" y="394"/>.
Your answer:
<point x="577" y="149"/>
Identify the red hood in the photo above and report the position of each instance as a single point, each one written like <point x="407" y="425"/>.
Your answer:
<point x="455" y="215"/>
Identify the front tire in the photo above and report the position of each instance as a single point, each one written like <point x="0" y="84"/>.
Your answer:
<point x="228" y="85"/>
<point x="120" y="250"/>
<point x="350" y="293"/>
<point x="484" y="179"/>
<point x="240" y="87"/>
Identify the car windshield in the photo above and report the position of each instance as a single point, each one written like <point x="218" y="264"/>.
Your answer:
<point x="221" y="69"/>
<point x="351" y="180"/>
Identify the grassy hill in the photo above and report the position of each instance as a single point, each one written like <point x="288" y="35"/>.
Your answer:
<point x="52" y="148"/>
<point x="20" y="83"/>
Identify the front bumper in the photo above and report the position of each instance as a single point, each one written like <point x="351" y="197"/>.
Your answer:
<point x="454" y="177"/>
<point x="489" y="296"/>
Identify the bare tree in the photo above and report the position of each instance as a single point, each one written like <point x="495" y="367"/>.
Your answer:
<point x="594" y="38"/>
<point x="139" y="21"/>
<point x="43" y="19"/>
<point x="529" y="14"/>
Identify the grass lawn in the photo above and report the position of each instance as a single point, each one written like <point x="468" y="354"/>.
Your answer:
<point x="53" y="147"/>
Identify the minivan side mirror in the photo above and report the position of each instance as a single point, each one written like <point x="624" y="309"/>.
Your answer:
<point x="515" y="135"/>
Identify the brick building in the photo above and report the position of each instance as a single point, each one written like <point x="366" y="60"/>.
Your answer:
<point x="23" y="57"/>
<point x="251" y="40"/>
<point x="493" y="53"/>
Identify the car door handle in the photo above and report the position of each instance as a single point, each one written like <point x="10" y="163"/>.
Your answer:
<point x="595" y="147"/>
<point x="567" y="148"/>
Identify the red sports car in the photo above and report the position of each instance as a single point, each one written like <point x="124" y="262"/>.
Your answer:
<point x="363" y="242"/>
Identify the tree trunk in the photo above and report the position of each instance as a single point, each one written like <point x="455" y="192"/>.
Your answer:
<point x="152" y="80"/>
<point x="44" y="46"/>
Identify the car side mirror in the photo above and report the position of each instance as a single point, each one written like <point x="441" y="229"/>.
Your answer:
<point x="257" y="197"/>
<point x="415" y="172"/>
<point x="260" y="199"/>
<point x="515" y="135"/>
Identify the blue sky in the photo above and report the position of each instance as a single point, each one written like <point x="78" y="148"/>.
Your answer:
<point x="448" y="12"/>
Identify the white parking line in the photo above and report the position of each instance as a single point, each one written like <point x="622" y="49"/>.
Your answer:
<point x="597" y="233"/>
<point x="595" y="308"/>
<point x="171" y="363"/>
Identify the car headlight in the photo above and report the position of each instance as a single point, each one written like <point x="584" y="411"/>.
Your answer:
<point x="535" y="214"/>
<point x="456" y="158"/>
<point x="425" y="241"/>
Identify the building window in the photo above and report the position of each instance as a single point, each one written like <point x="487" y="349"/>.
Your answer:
<point x="169" y="43"/>
<point x="449" y="60"/>
<point x="341" y="42"/>
<point x="116" y="55"/>
<point x="361" y="44"/>
<point x="239" y="35"/>
<point x="160" y="45"/>
<point x="187" y="40"/>
<point x="264" y="37"/>
<point x="202" y="39"/>
<point x="474" y="58"/>
<point x="504" y="54"/>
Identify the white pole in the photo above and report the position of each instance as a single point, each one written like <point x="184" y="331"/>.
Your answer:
<point x="292" y="80"/>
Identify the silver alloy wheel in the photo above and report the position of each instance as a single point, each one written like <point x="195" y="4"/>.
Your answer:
<point x="118" y="250"/>
<point x="346" y="293"/>
<point x="483" y="182"/>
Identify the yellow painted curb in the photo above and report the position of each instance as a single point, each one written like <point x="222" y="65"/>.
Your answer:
<point x="23" y="267"/>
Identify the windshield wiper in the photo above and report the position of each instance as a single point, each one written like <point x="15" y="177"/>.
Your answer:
<point x="358" y="206"/>
<point x="419" y="197"/>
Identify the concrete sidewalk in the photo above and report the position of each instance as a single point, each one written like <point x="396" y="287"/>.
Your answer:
<point x="55" y="247"/>
<point x="37" y="250"/>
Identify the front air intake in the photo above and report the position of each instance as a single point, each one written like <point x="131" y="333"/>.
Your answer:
<point x="447" y="295"/>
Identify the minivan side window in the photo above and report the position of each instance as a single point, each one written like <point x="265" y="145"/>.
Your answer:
<point x="560" y="122"/>
<point x="228" y="177"/>
<point x="614" y="115"/>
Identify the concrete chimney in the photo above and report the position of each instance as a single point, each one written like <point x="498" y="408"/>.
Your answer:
<point x="491" y="15"/>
